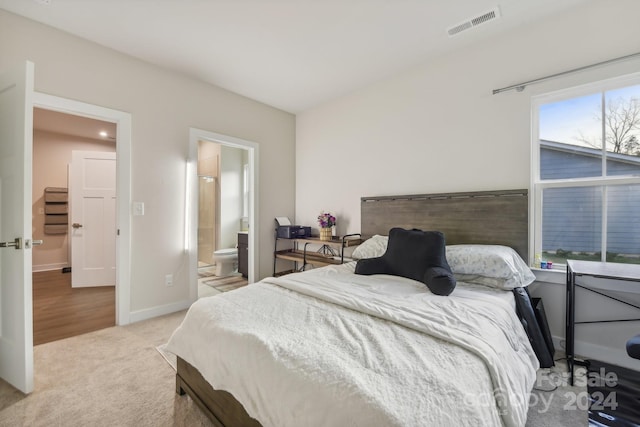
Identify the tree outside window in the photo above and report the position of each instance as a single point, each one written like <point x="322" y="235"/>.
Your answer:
<point x="587" y="173"/>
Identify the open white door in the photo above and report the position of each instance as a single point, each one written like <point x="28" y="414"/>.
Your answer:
<point x="92" y="185"/>
<point x="16" y="157"/>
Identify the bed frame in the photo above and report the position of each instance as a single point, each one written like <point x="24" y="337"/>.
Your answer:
<point x="485" y="217"/>
<point x="489" y="217"/>
<point x="218" y="405"/>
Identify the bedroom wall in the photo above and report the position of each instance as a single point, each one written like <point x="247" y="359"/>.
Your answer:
<point x="51" y="158"/>
<point x="163" y="105"/>
<point x="437" y="127"/>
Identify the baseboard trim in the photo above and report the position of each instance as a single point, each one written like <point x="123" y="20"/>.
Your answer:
<point x="49" y="267"/>
<point x="611" y="355"/>
<point x="150" y="313"/>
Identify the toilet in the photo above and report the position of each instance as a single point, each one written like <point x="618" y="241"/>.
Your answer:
<point x="226" y="260"/>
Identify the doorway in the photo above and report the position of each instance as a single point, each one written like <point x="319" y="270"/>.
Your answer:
<point x="223" y="199"/>
<point x="122" y="134"/>
<point x="19" y="99"/>
<point x="72" y="155"/>
<point x="206" y="184"/>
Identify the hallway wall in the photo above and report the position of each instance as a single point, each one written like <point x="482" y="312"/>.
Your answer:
<point x="51" y="158"/>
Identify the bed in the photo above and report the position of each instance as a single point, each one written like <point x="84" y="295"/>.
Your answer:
<point x="328" y="347"/>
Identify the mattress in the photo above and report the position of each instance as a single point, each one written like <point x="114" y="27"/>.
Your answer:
<point x="327" y="347"/>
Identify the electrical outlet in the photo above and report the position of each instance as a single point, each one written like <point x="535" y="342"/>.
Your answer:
<point x="168" y="280"/>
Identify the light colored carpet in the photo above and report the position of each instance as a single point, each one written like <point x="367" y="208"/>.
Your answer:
<point x="564" y="405"/>
<point x="111" y="377"/>
<point x="119" y="377"/>
<point x="168" y="356"/>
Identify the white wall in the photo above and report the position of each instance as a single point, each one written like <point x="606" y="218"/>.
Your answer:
<point x="51" y="158"/>
<point x="437" y="127"/>
<point x="163" y="105"/>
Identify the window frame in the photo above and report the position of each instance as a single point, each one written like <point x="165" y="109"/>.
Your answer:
<point x="538" y="186"/>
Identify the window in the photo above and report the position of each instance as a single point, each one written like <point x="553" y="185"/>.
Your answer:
<point x="586" y="173"/>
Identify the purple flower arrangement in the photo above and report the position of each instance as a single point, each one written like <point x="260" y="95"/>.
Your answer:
<point x="326" y="220"/>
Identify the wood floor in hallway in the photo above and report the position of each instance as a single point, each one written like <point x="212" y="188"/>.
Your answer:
<point x="60" y="311"/>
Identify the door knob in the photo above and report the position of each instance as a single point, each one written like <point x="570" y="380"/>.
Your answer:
<point x="28" y="244"/>
<point x="16" y="244"/>
<point x="76" y="225"/>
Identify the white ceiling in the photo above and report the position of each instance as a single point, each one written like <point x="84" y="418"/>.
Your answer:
<point x="67" y="124"/>
<point x="291" y="54"/>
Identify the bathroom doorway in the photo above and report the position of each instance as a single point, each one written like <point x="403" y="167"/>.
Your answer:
<point x="221" y="209"/>
<point x="222" y="217"/>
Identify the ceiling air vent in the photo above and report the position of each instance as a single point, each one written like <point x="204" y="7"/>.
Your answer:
<point x="474" y="22"/>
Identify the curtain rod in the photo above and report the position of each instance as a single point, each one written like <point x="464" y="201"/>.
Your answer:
<point x="520" y="86"/>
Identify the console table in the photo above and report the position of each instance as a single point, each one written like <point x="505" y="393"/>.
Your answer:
<point x="325" y="255"/>
<point x="600" y="270"/>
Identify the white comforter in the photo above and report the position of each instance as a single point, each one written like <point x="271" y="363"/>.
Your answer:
<point x="330" y="348"/>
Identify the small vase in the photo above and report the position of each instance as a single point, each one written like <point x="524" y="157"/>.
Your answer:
<point x="325" y="234"/>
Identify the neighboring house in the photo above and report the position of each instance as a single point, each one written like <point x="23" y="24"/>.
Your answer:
<point x="573" y="232"/>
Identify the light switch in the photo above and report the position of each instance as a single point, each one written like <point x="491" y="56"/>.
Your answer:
<point x="138" y="208"/>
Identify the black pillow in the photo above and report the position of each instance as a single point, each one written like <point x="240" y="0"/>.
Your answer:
<point x="439" y="280"/>
<point x="414" y="254"/>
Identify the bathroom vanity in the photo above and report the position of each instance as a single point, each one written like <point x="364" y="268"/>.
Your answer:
<point x="243" y="253"/>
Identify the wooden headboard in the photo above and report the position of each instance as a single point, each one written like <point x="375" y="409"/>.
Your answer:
<point x="484" y="217"/>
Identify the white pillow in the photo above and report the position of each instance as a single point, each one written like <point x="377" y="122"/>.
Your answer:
<point x="490" y="265"/>
<point x="373" y="247"/>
